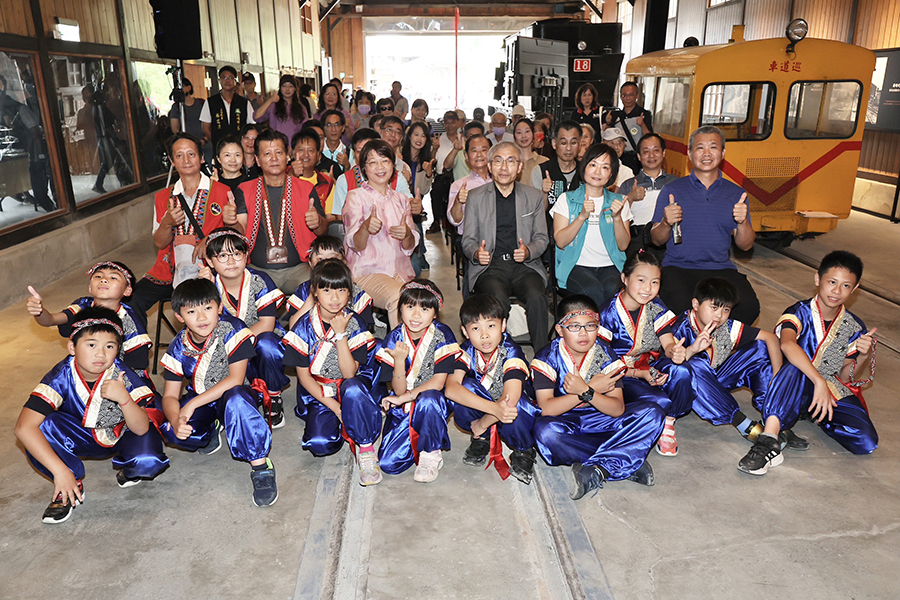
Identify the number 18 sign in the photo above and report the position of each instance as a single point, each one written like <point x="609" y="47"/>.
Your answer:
<point x="581" y="65"/>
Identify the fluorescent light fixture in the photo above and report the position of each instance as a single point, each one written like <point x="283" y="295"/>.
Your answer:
<point x="66" y="29"/>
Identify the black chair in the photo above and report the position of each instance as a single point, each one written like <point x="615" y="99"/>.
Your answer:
<point x="160" y="319"/>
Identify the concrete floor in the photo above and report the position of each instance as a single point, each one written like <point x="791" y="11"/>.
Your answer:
<point x="824" y="524"/>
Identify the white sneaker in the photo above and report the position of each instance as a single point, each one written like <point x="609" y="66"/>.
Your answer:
<point x="369" y="470"/>
<point x="429" y="465"/>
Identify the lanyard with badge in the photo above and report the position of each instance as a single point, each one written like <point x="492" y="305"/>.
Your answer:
<point x="276" y="252"/>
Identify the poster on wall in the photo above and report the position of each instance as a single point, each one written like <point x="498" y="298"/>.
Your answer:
<point x="883" y="113"/>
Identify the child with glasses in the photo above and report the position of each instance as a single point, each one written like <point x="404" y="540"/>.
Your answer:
<point x="585" y="421"/>
<point x="252" y="297"/>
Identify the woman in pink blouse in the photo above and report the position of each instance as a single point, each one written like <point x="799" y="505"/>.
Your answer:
<point x="380" y="233"/>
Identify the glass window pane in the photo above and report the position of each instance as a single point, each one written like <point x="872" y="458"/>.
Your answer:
<point x="672" y="98"/>
<point x="153" y="88"/>
<point x="743" y="111"/>
<point x="26" y="187"/>
<point x="820" y="109"/>
<point x="95" y="124"/>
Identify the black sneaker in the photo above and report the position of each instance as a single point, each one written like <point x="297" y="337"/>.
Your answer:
<point x="521" y="465"/>
<point x="477" y="452"/>
<point x="58" y="511"/>
<point x="587" y="478"/>
<point x="276" y="413"/>
<point x="792" y="441"/>
<point x="125" y="481"/>
<point x="265" y="491"/>
<point x="752" y="431"/>
<point x="765" y="453"/>
<point x="215" y="440"/>
<point x="644" y="475"/>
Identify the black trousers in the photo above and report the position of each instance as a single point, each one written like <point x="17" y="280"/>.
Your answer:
<point x="678" y="284"/>
<point x="508" y="278"/>
<point x="145" y="294"/>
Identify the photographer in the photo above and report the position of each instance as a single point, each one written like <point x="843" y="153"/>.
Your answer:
<point x="634" y="119"/>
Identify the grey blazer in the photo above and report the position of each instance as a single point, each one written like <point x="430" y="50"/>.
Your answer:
<point x="481" y="224"/>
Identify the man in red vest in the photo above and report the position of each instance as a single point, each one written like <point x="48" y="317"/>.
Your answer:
<point x="280" y="213"/>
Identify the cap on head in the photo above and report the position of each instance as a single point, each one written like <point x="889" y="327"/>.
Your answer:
<point x="613" y="133"/>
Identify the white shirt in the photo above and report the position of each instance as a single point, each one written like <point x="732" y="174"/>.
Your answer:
<point x="593" y="252"/>
<point x="444" y="148"/>
<point x="625" y="173"/>
<point x="507" y="137"/>
<point x="206" y="116"/>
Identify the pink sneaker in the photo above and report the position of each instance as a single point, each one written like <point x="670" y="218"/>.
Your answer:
<point x="369" y="470"/>
<point x="667" y="445"/>
<point x="430" y="464"/>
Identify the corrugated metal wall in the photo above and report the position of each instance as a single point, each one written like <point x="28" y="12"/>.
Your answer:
<point x="828" y="19"/>
<point x="223" y="22"/>
<point x="720" y="20"/>
<point x="766" y="18"/>
<point x="690" y="21"/>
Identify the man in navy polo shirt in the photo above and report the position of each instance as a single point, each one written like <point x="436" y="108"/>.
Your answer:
<point x="711" y="210"/>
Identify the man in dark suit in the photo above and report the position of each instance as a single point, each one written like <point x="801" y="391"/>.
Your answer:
<point x="504" y="235"/>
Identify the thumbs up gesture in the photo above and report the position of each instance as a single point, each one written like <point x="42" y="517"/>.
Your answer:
<point x="482" y="256"/>
<point x="373" y="223"/>
<point x="342" y="160"/>
<point x="672" y="213"/>
<point x="617" y="207"/>
<point x="114" y="389"/>
<point x="174" y="214"/>
<point x="865" y="342"/>
<point x="679" y="353"/>
<point x="206" y="273"/>
<point x="587" y="208"/>
<point x="547" y="184"/>
<point x="463" y="194"/>
<point x="428" y="167"/>
<point x="740" y="210"/>
<point x="505" y="410"/>
<point x="311" y="217"/>
<point x="229" y="212"/>
<point x="415" y="203"/>
<point x="35" y="304"/>
<point x="521" y="253"/>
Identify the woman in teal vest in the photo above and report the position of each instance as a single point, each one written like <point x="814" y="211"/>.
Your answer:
<point x="591" y="229"/>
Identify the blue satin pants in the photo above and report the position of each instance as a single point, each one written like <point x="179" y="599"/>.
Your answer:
<point x="429" y="420"/>
<point x="749" y="367"/>
<point x="246" y="430"/>
<point x="136" y="455"/>
<point x="791" y="393"/>
<point x="267" y="364"/>
<point x="359" y="410"/>
<point x="518" y="435"/>
<point x="586" y="435"/>
<point x="674" y="397"/>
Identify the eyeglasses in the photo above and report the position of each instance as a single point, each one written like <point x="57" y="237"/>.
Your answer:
<point x="332" y="125"/>
<point x="509" y="161"/>
<point x="378" y="163"/>
<point x="227" y="78"/>
<point x="223" y="257"/>
<point x="576" y="327"/>
<point x="394" y="130"/>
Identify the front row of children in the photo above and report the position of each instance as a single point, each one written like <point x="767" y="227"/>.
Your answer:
<point x="599" y="397"/>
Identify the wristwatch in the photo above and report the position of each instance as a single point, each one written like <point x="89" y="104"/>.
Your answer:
<point x="586" y="396"/>
<point x="340" y="336"/>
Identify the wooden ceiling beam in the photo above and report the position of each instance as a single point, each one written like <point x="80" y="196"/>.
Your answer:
<point x="482" y="10"/>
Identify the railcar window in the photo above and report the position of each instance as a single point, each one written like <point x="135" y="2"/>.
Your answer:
<point x="743" y="111"/>
<point x="822" y="109"/>
<point x="671" y="105"/>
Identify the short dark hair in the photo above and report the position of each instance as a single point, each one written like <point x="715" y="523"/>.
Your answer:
<point x="323" y="243"/>
<point x="587" y="87"/>
<point x="374" y="120"/>
<point x="416" y="296"/>
<point x="384" y="103"/>
<point x="387" y="120"/>
<point x="720" y="291"/>
<point x="627" y="83"/>
<point x="451" y="114"/>
<point x="364" y="133"/>
<point x="843" y="260"/>
<point x="251" y="127"/>
<point x="576" y="302"/>
<point x="481" y="306"/>
<point x="476" y="138"/>
<point x="98" y="312"/>
<point x="379" y="147"/>
<point x="228" y="139"/>
<point x="331" y="274"/>
<point x="473" y="125"/>
<point x="526" y="121"/>
<point x="651" y="135"/>
<point x="333" y="112"/>
<point x="420" y="102"/>
<point x="596" y="151"/>
<point x="194" y="292"/>
<point x="228" y="69"/>
<point x="215" y="246"/>
<point x="270" y="135"/>
<point x="183" y="135"/>
<point x="307" y="133"/>
<point x="641" y="257"/>
<point x="565" y="126"/>
<point x="544" y="115"/>
<point x="131" y="279"/>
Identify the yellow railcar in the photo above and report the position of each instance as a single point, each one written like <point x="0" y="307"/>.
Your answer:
<point x="793" y="118"/>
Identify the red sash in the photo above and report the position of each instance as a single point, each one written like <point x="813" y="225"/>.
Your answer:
<point x="299" y="202"/>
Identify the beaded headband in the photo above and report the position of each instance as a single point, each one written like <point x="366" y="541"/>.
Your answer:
<point x="578" y="313"/>
<point x="218" y="234"/>
<point x="78" y="326"/>
<point x="415" y="285"/>
<point x="109" y="265"/>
